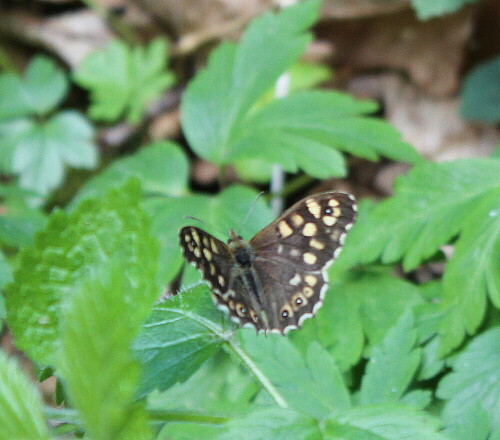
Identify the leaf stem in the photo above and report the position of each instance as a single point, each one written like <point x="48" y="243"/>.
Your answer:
<point x="256" y="371"/>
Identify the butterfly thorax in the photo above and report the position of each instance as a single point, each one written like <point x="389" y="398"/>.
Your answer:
<point x="240" y="250"/>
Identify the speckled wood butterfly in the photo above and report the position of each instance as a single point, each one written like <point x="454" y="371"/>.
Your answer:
<point x="277" y="279"/>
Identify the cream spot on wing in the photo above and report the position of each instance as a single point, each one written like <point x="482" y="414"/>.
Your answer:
<point x="208" y="254"/>
<point x="285" y="229"/>
<point x="308" y="292"/>
<point x="333" y="202"/>
<point x="298" y="301"/>
<point x="213" y="245"/>
<point x="205" y="241"/>
<point x="297" y="220"/>
<point x="280" y="248"/>
<point x="329" y="220"/>
<point x="286" y="312"/>
<point x="197" y="252"/>
<point x="310" y="258"/>
<point x="187" y="238"/>
<point x="212" y="268"/>
<point x="221" y="280"/>
<point x="336" y="234"/>
<point x="314" y="207"/>
<point x="295" y="280"/>
<point x="294" y="252"/>
<point x="337" y="212"/>
<point x="311" y="280"/>
<point x="309" y="230"/>
<point x="316" y="244"/>
<point x="196" y="236"/>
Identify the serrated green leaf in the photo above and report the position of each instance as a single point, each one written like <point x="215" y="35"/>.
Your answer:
<point x="477" y="253"/>
<point x="311" y="384"/>
<point x="480" y="95"/>
<point x="161" y="167"/>
<point x="40" y="91"/>
<point x="219" y="213"/>
<point x="69" y="249"/>
<point x="272" y="424"/>
<point x="432" y="204"/>
<point x="427" y="8"/>
<point x="123" y="80"/>
<point x="392" y="364"/>
<point x="474" y="424"/>
<point x="383" y="422"/>
<point x="475" y="379"/>
<point x="20" y="404"/>
<point x="178" y="337"/>
<point x="39" y="151"/>
<point x="98" y="325"/>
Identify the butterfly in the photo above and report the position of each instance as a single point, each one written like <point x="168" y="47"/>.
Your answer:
<point x="279" y="278"/>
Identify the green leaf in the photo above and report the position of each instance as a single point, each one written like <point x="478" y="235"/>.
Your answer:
<point x="123" y="80"/>
<point x="161" y="167"/>
<point x="427" y="8"/>
<point x="99" y="321"/>
<point x="19" y="224"/>
<point x="179" y="336"/>
<point x="480" y="95"/>
<point x="219" y="213"/>
<point x="224" y="92"/>
<point x="20" y="404"/>
<point x="388" y="421"/>
<point x="432" y="204"/>
<point x="474" y="424"/>
<point x="313" y="385"/>
<point x="475" y="380"/>
<point x="392" y="364"/>
<point x="43" y="87"/>
<point x="477" y="253"/>
<point x="69" y="249"/>
<point x="41" y="150"/>
<point x="272" y="424"/>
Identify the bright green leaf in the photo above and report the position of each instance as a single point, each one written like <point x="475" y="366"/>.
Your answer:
<point x="311" y="384"/>
<point x="98" y="324"/>
<point x="20" y="404"/>
<point x="219" y="213"/>
<point x="432" y="204"/>
<point x="474" y="424"/>
<point x="39" y="152"/>
<point x="161" y="167"/>
<point x="178" y="337"/>
<point x="481" y="93"/>
<point x="69" y="249"/>
<point x="475" y="379"/>
<point x="429" y="8"/>
<point x="392" y="364"/>
<point x="477" y="254"/>
<point x="272" y="424"/>
<point x="123" y="80"/>
<point x="388" y="421"/>
<point x="40" y="91"/>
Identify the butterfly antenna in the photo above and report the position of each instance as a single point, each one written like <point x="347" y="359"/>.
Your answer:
<point x="250" y="210"/>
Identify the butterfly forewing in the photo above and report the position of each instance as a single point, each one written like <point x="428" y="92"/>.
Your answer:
<point x="279" y="278"/>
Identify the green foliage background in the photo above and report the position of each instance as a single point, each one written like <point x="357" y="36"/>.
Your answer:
<point x="385" y="358"/>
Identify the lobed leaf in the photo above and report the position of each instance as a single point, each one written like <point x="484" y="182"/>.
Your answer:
<point x="123" y="80"/>
<point x="392" y="364"/>
<point x="20" y="404"/>
<point x="69" y="249"/>
<point x="475" y="380"/>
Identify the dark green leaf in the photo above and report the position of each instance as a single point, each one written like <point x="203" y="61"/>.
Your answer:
<point x="123" y="80"/>
<point x="481" y="93"/>
<point x="179" y="336"/>
<point x="20" y="404"/>
<point x="428" y="8"/>
<point x="70" y="248"/>
<point x="40" y="91"/>
<point x="475" y="380"/>
<point x="311" y="384"/>
<point x="99" y="322"/>
<point x="392" y="364"/>
<point x="161" y="167"/>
